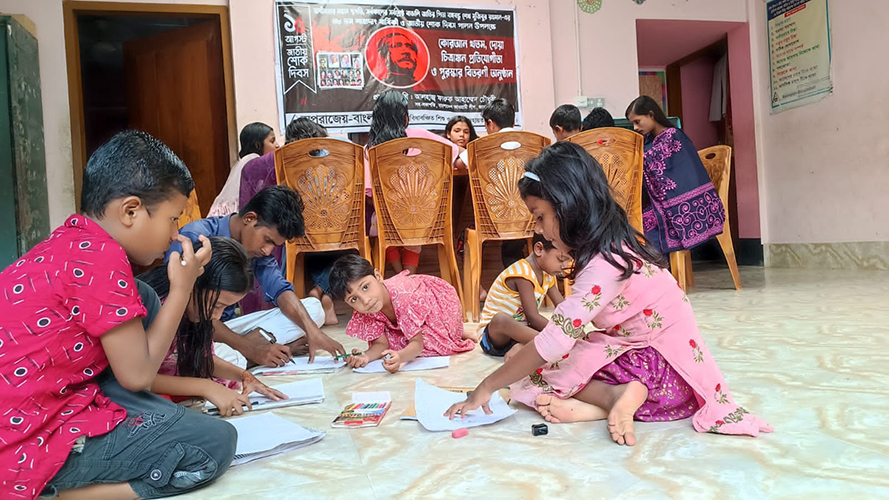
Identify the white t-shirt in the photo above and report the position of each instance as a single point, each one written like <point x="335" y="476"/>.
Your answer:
<point x="465" y="154"/>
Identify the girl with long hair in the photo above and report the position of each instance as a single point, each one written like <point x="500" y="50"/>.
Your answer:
<point x="191" y="368"/>
<point x="645" y="359"/>
<point x="256" y="140"/>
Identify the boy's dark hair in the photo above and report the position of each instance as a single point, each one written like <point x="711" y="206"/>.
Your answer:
<point x="348" y="269"/>
<point x="538" y="238"/>
<point x="252" y="138"/>
<point x="303" y="128"/>
<point x="566" y="116"/>
<point x="501" y="112"/>
<point x="598" y="117"/>
<point x="279" y="207"/>
<point x="132" y="163"/>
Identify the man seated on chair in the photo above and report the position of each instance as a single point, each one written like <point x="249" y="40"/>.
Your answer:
<point x="267" y="221"/>
<point x="499" y="116"/>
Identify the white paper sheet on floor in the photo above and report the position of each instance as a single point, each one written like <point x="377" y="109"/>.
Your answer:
<point x="431" y="402"/>
<point x="267" y="434"/>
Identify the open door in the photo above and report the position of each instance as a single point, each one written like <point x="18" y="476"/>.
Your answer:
<point x="176" y="92"/>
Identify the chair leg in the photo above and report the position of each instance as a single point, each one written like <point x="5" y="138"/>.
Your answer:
<point x="677" y="267"/>
<point x="380" y="263"/>
<point x="290" y="261"/>
<point x="447" y="259"/>
<point x="567" y="285"/>
<point x="472" y="259"/>
<point x="728" y="249"/>
<point x="299" y="274"/>
<point x="689" y="275"/>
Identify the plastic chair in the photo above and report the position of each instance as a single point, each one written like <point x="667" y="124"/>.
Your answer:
<point x="412" y="197"/>
<point x="620" y="152"/>
<point x="718" y="162"/>
<point x="192" y="210"/>
<point x="496" y="163"/>
<point x="328" y="174"/>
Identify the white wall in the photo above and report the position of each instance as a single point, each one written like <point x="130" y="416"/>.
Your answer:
<point x="254" y="65"/>
<point x="825" y="166"/>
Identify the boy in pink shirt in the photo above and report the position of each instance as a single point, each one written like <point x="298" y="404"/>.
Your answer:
<point x="70" y="310"/>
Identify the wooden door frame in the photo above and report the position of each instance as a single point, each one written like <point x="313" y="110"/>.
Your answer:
<point x="71" y="8"/>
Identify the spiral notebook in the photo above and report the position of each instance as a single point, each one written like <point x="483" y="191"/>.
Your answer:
<point x="301" y="392"/>
<point x="267" y="434"/>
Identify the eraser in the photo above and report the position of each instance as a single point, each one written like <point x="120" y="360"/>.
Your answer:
<point x="539" y="430"/>
<point x="459" y="433"/>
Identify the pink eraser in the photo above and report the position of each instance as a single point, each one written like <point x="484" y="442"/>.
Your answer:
<point x="459" y="433"/>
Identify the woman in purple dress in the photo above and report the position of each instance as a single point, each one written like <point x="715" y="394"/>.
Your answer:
<point x="680" y="207"/>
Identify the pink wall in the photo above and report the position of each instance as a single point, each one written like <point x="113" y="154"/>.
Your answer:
<point x="697" y="83"/>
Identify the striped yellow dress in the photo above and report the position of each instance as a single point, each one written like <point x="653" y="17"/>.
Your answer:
<point x="502" y="299"/>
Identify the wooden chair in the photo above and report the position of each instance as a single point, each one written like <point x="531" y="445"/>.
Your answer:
<point x="412" y="197"/>
<point x="620" y="152"/>
<point x="328" y="174"/>
<point x="718" y="162"/>
<point x="192" y="210"/>
<point x="496" y="164"/>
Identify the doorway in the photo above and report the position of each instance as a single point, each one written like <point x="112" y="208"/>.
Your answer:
<point x="702" y="70"/>
<point x="163" y="69"/>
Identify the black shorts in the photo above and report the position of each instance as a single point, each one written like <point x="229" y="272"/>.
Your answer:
<point x="489" y="348"/>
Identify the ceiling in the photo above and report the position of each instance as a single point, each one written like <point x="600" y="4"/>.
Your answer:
<point x="662" y="42"/>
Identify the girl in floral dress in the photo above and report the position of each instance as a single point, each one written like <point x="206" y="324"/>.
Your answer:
<point x="401" y="318"/>
<point x="650" y="363"/>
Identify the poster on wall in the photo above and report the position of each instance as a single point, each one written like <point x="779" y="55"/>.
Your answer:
<point x="799" y="52"/>
<point x="335" y="59"/>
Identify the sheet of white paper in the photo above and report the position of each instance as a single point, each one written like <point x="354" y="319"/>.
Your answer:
<point x="265" y="431"/>
<point x="299" y="392"/>
<point x="431" y="402"/>
<point x="301" y="365"/>
<point x="272" y="320"/>
<point x="416" y="364"/>
<point x="371" y="397"/>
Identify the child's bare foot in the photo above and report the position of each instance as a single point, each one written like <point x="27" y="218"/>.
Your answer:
<point x="620" y="418"/>
<point x="329" y="311"/>
<point x="473" y="336"/>
<point x="482" y="294"/>
<point x="559" y="411"/>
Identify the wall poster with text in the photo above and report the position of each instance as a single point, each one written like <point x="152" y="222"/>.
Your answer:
<point x="334" y="59"/>
<point x="799" y="52"/>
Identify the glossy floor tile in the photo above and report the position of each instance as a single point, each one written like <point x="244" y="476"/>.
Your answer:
<point x="806" y="350"/>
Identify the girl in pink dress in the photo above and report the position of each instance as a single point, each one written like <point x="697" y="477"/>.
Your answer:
<point x="648" y="362"/>
<point x="401" y="318"/>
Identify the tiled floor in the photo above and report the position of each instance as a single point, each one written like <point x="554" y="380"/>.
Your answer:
<point x="806" y="350"/>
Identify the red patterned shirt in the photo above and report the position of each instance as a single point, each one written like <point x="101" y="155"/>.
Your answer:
<point x="55" y="303"/>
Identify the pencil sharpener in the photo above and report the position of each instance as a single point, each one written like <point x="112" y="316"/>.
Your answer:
<point x="539" y="430"/>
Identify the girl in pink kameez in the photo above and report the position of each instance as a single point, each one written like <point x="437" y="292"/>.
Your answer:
<point x="401" y="318"/>
<point x="650" y="363"/>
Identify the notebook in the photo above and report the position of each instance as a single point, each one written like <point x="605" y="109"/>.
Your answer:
<point x="301" y="366"/>
<point x="366" y="410"/>
<point x="271" y="320"/>
<point x="301" y="392"/>
<point x="432" y="402"/>
<point x="267" y="434"/>
<point x="416" y="364"/>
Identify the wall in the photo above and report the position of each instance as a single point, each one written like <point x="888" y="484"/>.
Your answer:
<point x="697" y="85"/>
<point x="254" y="65"/>
<point x="825" y="166"/>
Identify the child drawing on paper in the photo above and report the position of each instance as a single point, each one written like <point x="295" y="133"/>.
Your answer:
<point x="401" y="318"/>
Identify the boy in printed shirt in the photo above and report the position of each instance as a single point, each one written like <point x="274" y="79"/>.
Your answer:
<point x="75" y="359"/>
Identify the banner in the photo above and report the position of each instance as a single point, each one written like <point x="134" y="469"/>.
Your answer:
<point x="799" y="52"/>
<point x="334" y="59"/>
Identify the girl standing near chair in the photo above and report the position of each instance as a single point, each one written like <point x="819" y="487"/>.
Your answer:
<point x="390" y="121"/>
<point x="650" y="362"/>
<point x="680" y="207"/>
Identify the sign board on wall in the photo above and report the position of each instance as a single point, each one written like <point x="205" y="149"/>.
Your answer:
<point x="799" y="52"/>
<point x="334" y="59"/>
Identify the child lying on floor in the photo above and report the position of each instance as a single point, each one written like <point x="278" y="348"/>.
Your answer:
<point x="191" y="367"/>
<point x="401" y="318"/>
<point x="516" y="296"/>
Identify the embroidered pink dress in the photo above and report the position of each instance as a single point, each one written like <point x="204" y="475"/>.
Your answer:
<point x="423" y="304"/>
<point x="650" y="336"/>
